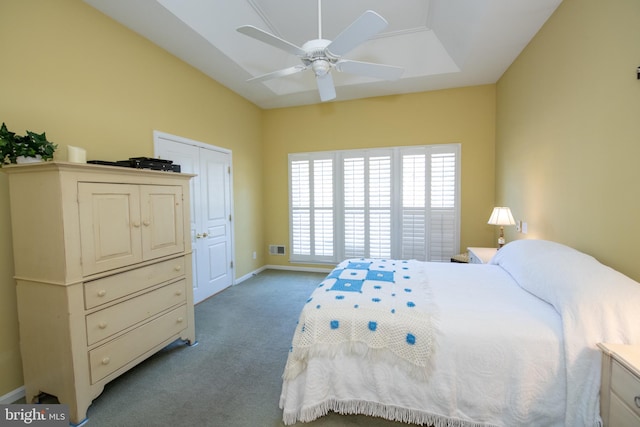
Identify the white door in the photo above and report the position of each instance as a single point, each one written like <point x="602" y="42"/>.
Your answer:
<point x="211" y="210"/>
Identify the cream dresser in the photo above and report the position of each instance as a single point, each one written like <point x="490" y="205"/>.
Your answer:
<point x="620" y="386"/>
<point x="103" y="271"/>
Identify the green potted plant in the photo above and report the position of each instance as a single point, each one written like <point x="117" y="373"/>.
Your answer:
<point x="18" y="149"/>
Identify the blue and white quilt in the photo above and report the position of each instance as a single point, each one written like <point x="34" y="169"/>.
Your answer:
<point x="376" y="308"/>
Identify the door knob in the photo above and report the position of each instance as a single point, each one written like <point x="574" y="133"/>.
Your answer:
<point x="200" y="236"/>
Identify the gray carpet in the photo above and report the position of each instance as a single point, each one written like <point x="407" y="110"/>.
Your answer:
<point x="232" y="378"/>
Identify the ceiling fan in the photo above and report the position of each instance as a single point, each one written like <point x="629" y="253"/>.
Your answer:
<point x="322" y="55"/>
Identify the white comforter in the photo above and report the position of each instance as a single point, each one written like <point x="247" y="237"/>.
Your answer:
<point x="514" y="346"/>
<point x="498" y="361"/>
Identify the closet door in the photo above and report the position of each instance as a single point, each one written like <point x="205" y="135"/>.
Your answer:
<point x="214" y="244"/>
<point x="110" y="226"/>
<point x="211" y="211"/>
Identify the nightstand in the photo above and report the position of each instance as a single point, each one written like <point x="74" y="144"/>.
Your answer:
<point x="481" y="255"/>
<point x="620" y="385"/>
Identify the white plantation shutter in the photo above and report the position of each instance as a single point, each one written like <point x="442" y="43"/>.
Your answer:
<point x="367" y="205"/>
<point x="414" y="207"/>
<point x="300" y="203"/>
<point x="323" y="207"/>
<point x="443" y="225"/>
<point x="312" y="212"/>
<point x="354" y="207"/>
<point x="381" y="203"/>
<point x="379" y="207"/>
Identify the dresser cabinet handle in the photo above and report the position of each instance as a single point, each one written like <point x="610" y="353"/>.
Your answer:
<point x="102" y="293"/>
<point x="102" y="325"/>
<point x="106" y="360"/>
<point x="136" y="224"/>
<point x="146" y="222"/>
<point x="637" y="401"/>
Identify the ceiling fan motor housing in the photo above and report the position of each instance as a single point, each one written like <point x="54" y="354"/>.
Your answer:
<point x="318" y="57"/>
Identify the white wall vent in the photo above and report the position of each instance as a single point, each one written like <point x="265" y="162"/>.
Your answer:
<point x="277" y="250"/>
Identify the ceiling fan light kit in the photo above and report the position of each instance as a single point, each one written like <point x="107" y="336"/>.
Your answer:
<point x="322" y="55"/>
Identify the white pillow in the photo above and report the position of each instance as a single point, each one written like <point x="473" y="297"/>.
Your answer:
<point x="559" y="274"/>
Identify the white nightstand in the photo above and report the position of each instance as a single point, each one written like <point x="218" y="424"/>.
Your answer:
<point x="481" y="255"/>
<point x="620" y="386"/>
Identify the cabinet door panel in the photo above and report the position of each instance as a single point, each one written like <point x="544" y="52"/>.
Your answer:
<point x="110" y="232"/>
<point x="162" y="219"/>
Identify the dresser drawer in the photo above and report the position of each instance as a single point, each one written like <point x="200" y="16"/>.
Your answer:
<point x="109" y="321"/>
<point x="115" y="354"/>
<point x="626" y="386"/>
<point x="101" y="291"/>
<point x="620" y="415"/>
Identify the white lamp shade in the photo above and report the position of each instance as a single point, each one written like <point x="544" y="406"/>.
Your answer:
<point x="501" y="216"/>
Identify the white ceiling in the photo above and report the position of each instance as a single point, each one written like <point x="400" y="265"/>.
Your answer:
<point x="440" y="43"/>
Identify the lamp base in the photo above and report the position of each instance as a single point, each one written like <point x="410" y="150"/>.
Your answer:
<point x="501" y="238"/>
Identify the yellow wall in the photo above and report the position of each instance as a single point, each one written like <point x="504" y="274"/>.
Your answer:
<point x="568" y="132"/>
<point x="87" y="81"/>
<point x="465" y="115"/>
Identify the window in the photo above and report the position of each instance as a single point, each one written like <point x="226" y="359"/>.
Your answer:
<point x="398" y="202"/>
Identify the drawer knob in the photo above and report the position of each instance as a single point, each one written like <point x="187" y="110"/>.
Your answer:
<point x="136" y="224"/>
<point x="178" y="293"/>
<point x="177" y="268"/>
<point x="102" y="293"/>
<point x="106" y="360"/>
<point x="146" y="222"/>
<point x="637" y="401"/>
<point x="102" y="325"/>
<point x="180" y="319"/>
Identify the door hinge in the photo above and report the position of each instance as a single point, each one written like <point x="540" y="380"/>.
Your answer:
<point x="231" y="264"/>
<point x="229" y="170"/>
<point x="229" y="217"/>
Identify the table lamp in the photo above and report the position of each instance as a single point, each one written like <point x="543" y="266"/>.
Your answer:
<point x="501" y="216"/>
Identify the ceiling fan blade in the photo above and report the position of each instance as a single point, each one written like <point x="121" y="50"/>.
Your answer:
<point x="270" y="39"/>
<point x="380" y="71"/>
<point x="325" y="87"/>
<point x="360" y="30"/>
<point x="280" y="73"/>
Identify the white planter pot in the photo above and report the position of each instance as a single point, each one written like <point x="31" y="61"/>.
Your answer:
<point x="23" y="159"/>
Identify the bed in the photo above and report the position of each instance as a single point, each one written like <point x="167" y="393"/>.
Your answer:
<point x="511" y="343"/>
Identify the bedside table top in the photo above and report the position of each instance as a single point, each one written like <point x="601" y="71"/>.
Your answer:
<point x="484" y="254"/>
<point x="627" y="355"/>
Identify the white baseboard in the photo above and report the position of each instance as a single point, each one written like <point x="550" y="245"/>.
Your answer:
<point x="12" y="396"/>
<point x="281" y="267"/>
<point x="249" y="276"/>
<point x="307" y="269"/>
